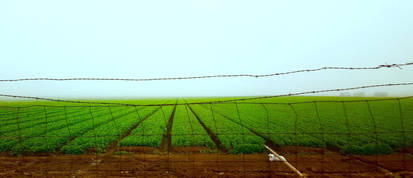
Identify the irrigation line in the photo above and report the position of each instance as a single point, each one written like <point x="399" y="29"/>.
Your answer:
<point x="212" y="76"/>
<point x="285" y="161"/>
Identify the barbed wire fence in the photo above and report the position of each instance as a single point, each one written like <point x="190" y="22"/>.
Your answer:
<point x="187" y="137"/>
<point x="215" y="76"/>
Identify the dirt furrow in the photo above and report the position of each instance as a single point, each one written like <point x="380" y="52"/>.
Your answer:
<point x="110" y="149"/>
<point x="95" y="126"/>
<point x="270" y="143"/>
<point x="166" y="144"/>
<point x="211" y="134"/>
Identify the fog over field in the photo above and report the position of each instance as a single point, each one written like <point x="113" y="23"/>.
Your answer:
<point x="131" y="39"/>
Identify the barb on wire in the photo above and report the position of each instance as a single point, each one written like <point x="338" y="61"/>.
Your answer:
<point x="212" y="76"/>
<point x="216" y="101"/>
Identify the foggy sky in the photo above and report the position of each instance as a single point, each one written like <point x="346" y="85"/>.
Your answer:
<point x="141" y="39"/>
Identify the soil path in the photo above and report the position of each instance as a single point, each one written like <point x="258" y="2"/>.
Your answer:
<point x="189" y="162"/>
<point x="111" y="148"/>
<point x="94" y="126"/>
<point x="166" y="144"/>
<point x="211" y="134"/>
<point x="268" y="141"/>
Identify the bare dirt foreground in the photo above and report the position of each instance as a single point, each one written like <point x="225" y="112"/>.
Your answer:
<point x="189" y="162"/>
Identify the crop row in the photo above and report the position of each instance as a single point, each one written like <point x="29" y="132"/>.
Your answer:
<point x="45" y="119"/>
<point x="28" y="114"/>
<point x="50" y="129"/>
<point x="110" y="130"/>
<point x="187" y="131"/>
<point x="236" y="138"/>
<point x="151" y="131"/>
<point x="355" y="129"/>
<point x="40" y="138"/>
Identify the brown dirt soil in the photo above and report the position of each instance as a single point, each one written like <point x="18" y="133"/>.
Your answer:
<point x="190" y="162"/>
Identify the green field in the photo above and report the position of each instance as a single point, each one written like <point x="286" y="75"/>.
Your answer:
<point x="348" y="124"/>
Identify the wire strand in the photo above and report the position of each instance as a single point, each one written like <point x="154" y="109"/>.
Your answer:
<point x="216" y="101"/>
<point x="211" y="76"/>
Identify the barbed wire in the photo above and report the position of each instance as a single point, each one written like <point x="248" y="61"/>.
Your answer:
<point x="215" y="101"/>
<point x="213" y="76"/>
<point x="315" y="92"/>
